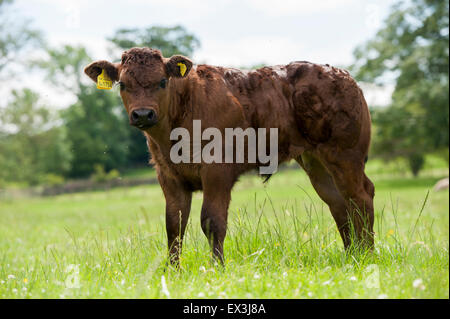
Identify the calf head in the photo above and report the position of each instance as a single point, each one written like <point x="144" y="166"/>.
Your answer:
<point x="144" y="76"/>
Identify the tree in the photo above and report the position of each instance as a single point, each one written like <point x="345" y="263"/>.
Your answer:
<point x="98" y="132"/>
<point x="21" y="139"/>
<point x="31" y="146"/>
<point x="412" y="48"/>
<point x="15" y="38"/>
<point x="171" y="41"/>
<point x="396" y="133"/>
<point x="96" y="122"/>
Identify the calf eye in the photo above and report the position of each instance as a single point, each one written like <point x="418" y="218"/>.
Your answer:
<point x="162" y="84"/>
<point x="122" y="86"/>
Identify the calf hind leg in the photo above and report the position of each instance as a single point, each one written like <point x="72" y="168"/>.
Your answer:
<point x="347" y="171"/>
<point x="326" y="189"/>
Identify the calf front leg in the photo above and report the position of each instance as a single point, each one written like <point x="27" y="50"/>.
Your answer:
<point x="178" y="207"/>
<point x="214" y="214"/>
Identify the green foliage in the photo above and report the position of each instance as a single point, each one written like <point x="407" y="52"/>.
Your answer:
<point x="393" y="134"/>
<point x="64" y="67"/>
<point x="16" y="38"/>
<point x="31" y="146"/>
<point x="100" y="174"/>
<point x="412" y="48"/>
<point x="53" y="179"/>
<point x="99" y="132"/>
<point x="170" y="40"/>
<point x="416" y="162"/>
<point x="96" y="122"/>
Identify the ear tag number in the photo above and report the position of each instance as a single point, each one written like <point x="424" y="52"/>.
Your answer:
<point x="182" y="68"/>
<point x="103" y="81"/>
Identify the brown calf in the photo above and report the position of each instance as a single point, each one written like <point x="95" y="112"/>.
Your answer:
<point x="322" y="119"/>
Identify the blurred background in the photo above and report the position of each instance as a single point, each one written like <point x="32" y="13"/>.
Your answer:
<point x="58" y="133"/>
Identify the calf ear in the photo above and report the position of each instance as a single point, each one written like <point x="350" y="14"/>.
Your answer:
<point x="178" y="66"/>
<point x="94" y="69"/>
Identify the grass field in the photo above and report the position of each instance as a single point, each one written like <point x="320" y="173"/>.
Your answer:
<point x="281" y="243"/>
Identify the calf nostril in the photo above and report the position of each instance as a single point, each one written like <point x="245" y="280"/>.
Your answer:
<point x="150" y="115"/>
<point x="134" y="116"/>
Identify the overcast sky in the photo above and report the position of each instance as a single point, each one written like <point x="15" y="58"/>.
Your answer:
<point x="232" y="32"/>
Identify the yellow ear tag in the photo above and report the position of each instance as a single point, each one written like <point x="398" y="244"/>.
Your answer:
<point x="182" y="68"/>
<point x="103" y="81"/>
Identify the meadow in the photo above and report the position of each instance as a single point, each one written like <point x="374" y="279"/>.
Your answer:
<point x="282" y="243"/>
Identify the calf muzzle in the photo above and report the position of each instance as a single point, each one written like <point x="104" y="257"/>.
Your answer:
<point x="143" y="118"/>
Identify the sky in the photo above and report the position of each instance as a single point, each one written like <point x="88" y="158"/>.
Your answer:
<point x="232" y="32"/>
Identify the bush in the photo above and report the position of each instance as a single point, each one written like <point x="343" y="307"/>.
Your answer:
<point x="100" y="175"/>
<point x="416" y="162"/>
<point x="53" y="179"/>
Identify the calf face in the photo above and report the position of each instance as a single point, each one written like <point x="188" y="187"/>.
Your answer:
<point x="143" y="76"/>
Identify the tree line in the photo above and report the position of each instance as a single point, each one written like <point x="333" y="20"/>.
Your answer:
<point x="39" y="144"/>
<point x="411" y="51"/>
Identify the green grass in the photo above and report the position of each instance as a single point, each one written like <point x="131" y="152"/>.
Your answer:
<point x="281" y="243"/>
